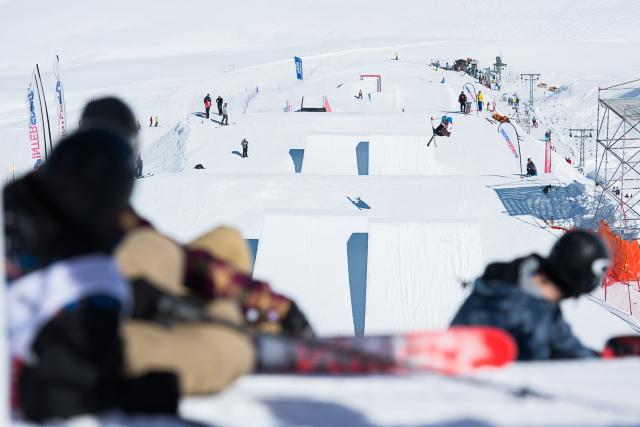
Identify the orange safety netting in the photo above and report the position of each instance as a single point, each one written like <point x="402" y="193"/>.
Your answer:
<point x="625" y="256"/>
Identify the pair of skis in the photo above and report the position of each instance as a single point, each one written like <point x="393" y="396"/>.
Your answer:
<point x="433" y="137"/>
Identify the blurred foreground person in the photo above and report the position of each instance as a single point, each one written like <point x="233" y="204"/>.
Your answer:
<point x="523" y="296"/>
<point x="176" y="286"/>
<point x="66" y="297"/>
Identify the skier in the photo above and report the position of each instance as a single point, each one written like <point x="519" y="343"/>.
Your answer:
<point x="207" y="105"/>
<point x="225" y="117"/>
<point x="462" y="99"/>
<point x="443" y="127"/>
<point x="219" y="103"/>
<point x="523" y="296"/>
<point x="139" y="166"/>
<point x="480" y="99"/>
<point x="534" y="122"/>
<point x="245" y="147"/>
<point x="531" y="168"/>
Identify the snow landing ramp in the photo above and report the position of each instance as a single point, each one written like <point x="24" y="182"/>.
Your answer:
<point x="304" y="255"/>
<point x="414" y="273"/>
<point x="357" y="154"/>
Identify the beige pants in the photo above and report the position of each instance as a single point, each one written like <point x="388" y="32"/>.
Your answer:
<point x="205" y="357"/>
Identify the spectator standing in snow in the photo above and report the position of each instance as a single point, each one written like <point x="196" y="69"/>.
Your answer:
<point x="523" y="296"/>
<point x="531" y="168"/>
<point x="207" y="105"/>
<point x="225" y="117"/>
<point x="156" y="124"/>
<point x="480" y="99"/>
<point x="462" y="100"/>
<point x="139" y="166"/>
<point x="150" y="121"/>
<point x="219" y="103"/>
<point x="245" y="147"/>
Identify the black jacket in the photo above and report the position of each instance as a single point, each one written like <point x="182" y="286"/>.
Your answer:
<point x="531" y="169"/>
<point x="78" y="363"/>
<point x="499" y="300"/>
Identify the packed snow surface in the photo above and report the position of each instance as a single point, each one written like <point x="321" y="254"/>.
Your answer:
<point x="368" y="229"/>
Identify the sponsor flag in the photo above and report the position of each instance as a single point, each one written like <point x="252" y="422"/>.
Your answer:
<point x="298" y="62"/>
<point x="35" y="129"/>
<point x="60" y="101"/>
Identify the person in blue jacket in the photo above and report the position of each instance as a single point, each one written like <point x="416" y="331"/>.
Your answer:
<point x="522" y="296"/>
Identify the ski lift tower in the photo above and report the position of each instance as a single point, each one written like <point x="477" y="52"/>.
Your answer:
<point x="532" y="78"/>
<point x="617" y="170"/>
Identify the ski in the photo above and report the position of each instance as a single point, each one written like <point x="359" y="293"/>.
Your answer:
<point x="626" y="345"/>
<point x="453" y="351"/>
<point x="433" y="139"/>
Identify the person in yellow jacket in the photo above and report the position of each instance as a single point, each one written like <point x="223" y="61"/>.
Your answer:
<point x="480" y="99"/>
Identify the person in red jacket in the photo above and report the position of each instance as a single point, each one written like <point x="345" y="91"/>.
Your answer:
<point x="207" y="104"/>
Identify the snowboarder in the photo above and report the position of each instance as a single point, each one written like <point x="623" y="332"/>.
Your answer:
<point x="245" y="147"/>
<point x="225" y="117"/>
<point x="531" y="168"/>
<point x="207" y="105"/>
<point x="480" y="99"/>
<point x="139" y="166"/>
<point x="219" y="103"/>
<point x="462" y="99"/>
<point x="359" y="95"/>
<point x="523" y="296"/>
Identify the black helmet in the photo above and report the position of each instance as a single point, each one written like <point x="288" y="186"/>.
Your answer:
<point x="112" y="114"/>
<point x="87" y="182"/>
<point x="577" y="263"/>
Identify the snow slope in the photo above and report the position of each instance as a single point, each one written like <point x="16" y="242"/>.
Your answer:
<point x="431" y="216"/>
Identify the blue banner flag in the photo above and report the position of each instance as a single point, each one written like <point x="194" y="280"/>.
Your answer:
<point x="298" y="67"/>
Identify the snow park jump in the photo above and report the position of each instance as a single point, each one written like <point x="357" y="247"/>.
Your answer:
<point x="196" y="247"/>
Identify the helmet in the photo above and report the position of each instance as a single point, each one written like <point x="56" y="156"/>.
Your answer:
<point x="577" y="263"/>
<point x="111" y="114"/>
<point x="450" y="119"/>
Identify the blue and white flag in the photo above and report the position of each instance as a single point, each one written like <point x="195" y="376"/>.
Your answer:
<point x="60" y="103"/>
<point x="35" y="129"/>
<point x="298" y="62"/>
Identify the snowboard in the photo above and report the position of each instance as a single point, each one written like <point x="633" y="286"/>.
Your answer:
<point x="452" y="351"/>
<point x="626" y="345"/>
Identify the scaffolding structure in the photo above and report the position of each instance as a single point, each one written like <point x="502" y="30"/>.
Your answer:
<point x="617" y="171"/>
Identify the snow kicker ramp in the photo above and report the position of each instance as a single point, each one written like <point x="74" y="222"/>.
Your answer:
<point x="304" y="255"/>
<point x="414" y="273"/>
<point x="357" y="154"/>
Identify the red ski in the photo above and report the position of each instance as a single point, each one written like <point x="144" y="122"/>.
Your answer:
<point x="453" y="351"/>
<point x="627" y="345"/>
